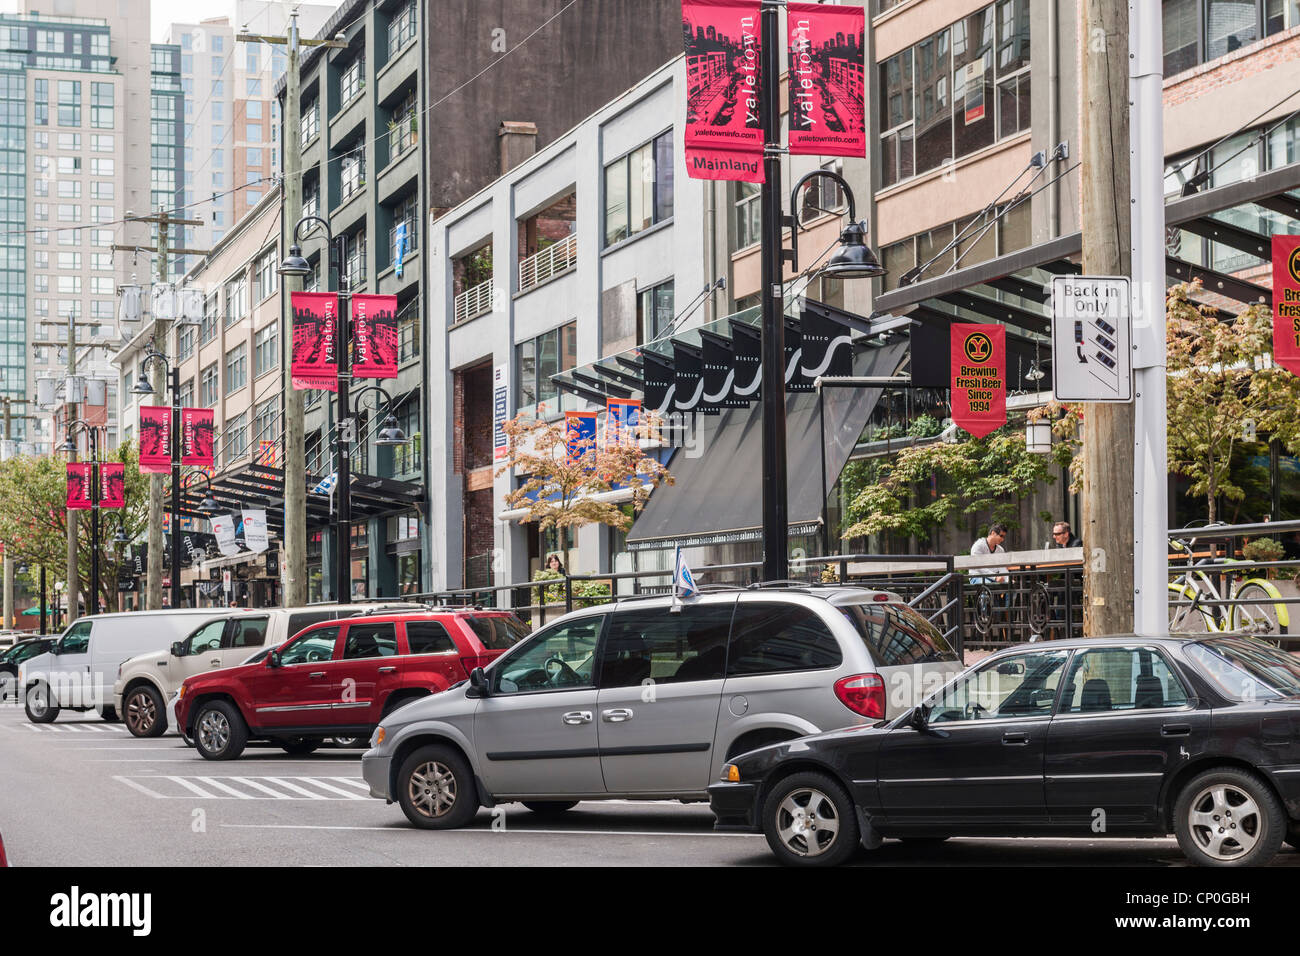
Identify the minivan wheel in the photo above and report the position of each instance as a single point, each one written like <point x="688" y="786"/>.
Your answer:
<point x="436" y="789"/>
<point x="550" y="808"/>
<point x="809" y="820"/>
<point x="219" y="731"/>
<point x="144" y="712"/>
<point x="1228" y="817"/>
<point x="40" y="705"/>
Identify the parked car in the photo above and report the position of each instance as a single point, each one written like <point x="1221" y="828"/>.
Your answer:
<point x="79" y="671"/>
<point x="11" y="657"/>
<point x="339" y="679"/>
<point x="146" y="683"/>
<point x="640" y="699"/>
<point x="1109" y="737"/>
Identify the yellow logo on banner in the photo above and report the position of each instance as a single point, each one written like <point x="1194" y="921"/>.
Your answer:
<point x="978" y="347"/>
<point x="1293" y="264"/>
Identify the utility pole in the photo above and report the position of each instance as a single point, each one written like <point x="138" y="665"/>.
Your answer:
<point x="73" y="573"/>
<point x="295" y="449"/>
<point x="1108" y="492"/>
<point x="164" y="222"/>
<point x="9" y="559"/>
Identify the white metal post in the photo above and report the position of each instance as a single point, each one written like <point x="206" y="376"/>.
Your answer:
<point x="1150" y="458"/>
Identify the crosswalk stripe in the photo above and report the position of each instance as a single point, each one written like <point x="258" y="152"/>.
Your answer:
<point x="143" y="789"/>
<point x="351" y="781"/>
<point x="315" y="782"/>
<point x="265" y="789"/>
<point x="295" y="788"/>
<point x="194" y="788"/>
<point x="210" y="782"/>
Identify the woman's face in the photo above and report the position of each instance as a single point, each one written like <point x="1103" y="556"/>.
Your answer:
<point x="554" y="563"/>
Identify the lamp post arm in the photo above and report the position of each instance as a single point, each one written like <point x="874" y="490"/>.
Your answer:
<point x="329" y="235"/>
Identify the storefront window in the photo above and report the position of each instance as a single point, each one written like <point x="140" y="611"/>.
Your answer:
<point x="408" y="573"/>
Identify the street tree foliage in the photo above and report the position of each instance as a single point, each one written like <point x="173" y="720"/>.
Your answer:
<point x="1221" y="378"/>
<point x="558" y="491"/>
<point x="34" y="521"/>
<point x="991" y="474"/>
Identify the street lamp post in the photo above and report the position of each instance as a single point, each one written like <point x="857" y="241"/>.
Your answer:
<point x="70" y="446"/>
<point x="142" y="387"/>
<point x="853" y="260"/>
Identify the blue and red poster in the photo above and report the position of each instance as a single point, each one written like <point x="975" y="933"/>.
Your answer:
<point x="579" y="434"/>
<point x="622" y="416"/>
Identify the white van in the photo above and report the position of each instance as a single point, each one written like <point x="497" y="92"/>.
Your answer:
<point x="78" y="673"/>
<point x="146" y="683"/>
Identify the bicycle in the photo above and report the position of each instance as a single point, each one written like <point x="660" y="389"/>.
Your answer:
<point x="1268" y="619"/>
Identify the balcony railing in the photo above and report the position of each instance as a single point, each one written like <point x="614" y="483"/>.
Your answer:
<point x="474" y="301"/>
<point x="550" y="262"/>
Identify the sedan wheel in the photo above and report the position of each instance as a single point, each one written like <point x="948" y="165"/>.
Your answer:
<point x="809" y="821"/>
<point x="1229" y="817"/>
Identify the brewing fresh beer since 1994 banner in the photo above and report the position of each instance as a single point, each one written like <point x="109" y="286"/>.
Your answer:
<point x="827" y="96"/>
<point x="155" y="439"/>
<point x="724" y="131"/>
<point x="315" y="319"/>
<point x="979" y="377"/>
<point x="374" y="334"/>
<point x="1286" y="302"/>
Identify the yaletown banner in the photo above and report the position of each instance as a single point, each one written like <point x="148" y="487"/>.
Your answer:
<point x="374" y="331"/>
<point x="724" y="131"/>
<point x="827" y="96"/>
<point x="312" y="362"/>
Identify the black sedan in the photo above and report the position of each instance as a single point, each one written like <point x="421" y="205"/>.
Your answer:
<point x="11" y="657"/>
<point x="1121" y="736"/>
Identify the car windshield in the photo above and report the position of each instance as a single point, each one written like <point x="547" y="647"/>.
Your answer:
<point x="1246" y="670"/>
<point x="896" y="634"/>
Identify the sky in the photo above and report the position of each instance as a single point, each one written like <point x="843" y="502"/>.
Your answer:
<point x="163" y="12"/>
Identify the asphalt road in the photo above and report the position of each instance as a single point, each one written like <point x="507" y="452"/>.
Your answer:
<point x="81" y="792"/>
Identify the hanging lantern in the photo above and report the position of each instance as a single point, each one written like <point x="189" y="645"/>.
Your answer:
<point x="1038" y="437"/>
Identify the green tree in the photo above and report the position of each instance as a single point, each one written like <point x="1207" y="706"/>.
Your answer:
<point x="34" y="521"/>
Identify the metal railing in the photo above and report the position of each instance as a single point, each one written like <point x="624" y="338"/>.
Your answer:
<point x="474" y="301"/>
<point x="543" y="266"/>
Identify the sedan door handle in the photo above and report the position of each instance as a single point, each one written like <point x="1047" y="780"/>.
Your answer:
<point x="1176" y="730"/>
<point x="316" y="674"/>
<point x="387" y="670"/>
<point x="617" y="715"/>
<point x="1015" y="738"/>
<point x="577" y="717"/>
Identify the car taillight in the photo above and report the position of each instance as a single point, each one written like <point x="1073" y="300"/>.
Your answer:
<point x="863" y="694"/>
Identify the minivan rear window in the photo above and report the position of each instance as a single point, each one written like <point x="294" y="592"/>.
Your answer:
<point x="498" y="632"/>
<point x="896" y="634"/>
<point x="774" y="638"/>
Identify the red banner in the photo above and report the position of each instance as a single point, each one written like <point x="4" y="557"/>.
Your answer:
<point x="198" y="431"/>
<point x="724" y="133"/>
<point x="374" y="336"/>
<point x="979" y="377"/>
<point x="1286" y="302"/>
<point x="78" y="485"/>
<point x="828" y="115"/>
<point x="312" y="362"/>
<point x="155" y="439"/>
<point x="112" y="485"/>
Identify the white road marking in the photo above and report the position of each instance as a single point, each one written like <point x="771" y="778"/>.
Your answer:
<point x="477" y="830"/>
<point x="143" y="789"/>
<point x="293" y="787"/>
<point x="331" y="789"/>
<point x="352" y="782"/>
<point x="213" y="782"/>
<point x="193" y="788"/>
<point x="165" y="786"/>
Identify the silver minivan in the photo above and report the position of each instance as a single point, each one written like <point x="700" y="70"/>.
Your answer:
<point x="648" y="699"/>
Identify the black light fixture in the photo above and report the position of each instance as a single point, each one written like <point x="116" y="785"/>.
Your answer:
<point x="391" y="433"/>
<point x="294" y="264"/>
<point x="120" y="540"/>
<point x="209" y="505"/>
<point x="142" y="387"/>
<point x="854" y="259"/>
<point x="68" y="445"/>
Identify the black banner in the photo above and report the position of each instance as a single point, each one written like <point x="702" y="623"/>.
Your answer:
<point x="747" y="345"/>
<point x="827" y="346"/>
<point x="660" y="382"/>
<point x="795" y="380"/>
<point x="719" y="361"/>
<point x="272" y="563"/>
<point x="688" y="370"/>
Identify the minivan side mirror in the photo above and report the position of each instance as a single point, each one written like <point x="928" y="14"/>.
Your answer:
<point x="178" y="649"/>
<point x="478" y="683"/>
<point x="273" y="659"/>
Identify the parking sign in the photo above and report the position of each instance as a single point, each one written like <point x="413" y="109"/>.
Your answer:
<point x="1092" y="339"/>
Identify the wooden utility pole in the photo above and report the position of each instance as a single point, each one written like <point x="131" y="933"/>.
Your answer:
<point x="295" y="450"/>
<point x="1107" y="498"/>
<point x="164" y="222"/>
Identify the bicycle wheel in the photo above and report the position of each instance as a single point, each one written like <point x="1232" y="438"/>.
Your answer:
<point x="1184" y="618"/>
<point x="1260" y="617"/>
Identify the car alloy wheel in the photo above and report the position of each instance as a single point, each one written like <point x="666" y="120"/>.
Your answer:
<point x="213" y="731"/>
<point x="432" y="789"/>
<point x="37" y="702"/>
<point x="141" y="713"/>
<point x="807" y="822"/>
<point x="1225" y="822"/>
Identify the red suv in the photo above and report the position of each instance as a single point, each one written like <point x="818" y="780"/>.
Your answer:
<point x="339" y="678"/>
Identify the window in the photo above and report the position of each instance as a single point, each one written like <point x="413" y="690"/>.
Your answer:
<point x="639" y="189"/>
<point x="749" y="213"/>
<point x="102" y="144"/>
<point x="185" y="335"/>
<point x="101" y="190"/>
<point x="310" y="121"/>
<point x="266" y="350"/>
<point x="208" y="386"/>
<point x="218" y="43"/>
<point x="236" y="368"/>
<point x="654" y="312"/>
<point x="40" y="140"/>
<point x="536" y="360"/>
<point x="897" y="635"/>
<point x="408" y="333"/>
<point x="206" y="638"/>
<point x="218" y="65"/>
<point x="247" y="632"/>
<point x="353" y="80"/>
<point x="1198" y="31"/>
<point x="401" y="28"/>
<point x="1023" y="685"/>
<point x="768" y="638"/>
<point x="429" y="637"/>
<point x="1121" y="678"/>
<point x="352" y="172"/>
<point x="69" y="212"/>
<point x="370" y="640"/>
<point x="69" y="102"/>
<point x="40" y="102"/>
<point x="101" y="105"/>
<point x="235" y="439"/>
<point x="264" y="276"/>
<point x="208" y="327"/>
<point x="253" y="134"/>
<point x="666" y="648"/>
<point x="236" y="300"/>
<point x="354" y="266"/>
<point x="312" y="647"/>
<point x="70" y="143"/>
<point x="101" y="167"/>
<point x="253" y="87"/>
<point x="561" y="657"/>
<point x="402" y="127"/>
<point x="69" y="285"/>
<point x="266" y="420"/>
<point x="955" y="92"/>
<point x="406" y="212"/>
